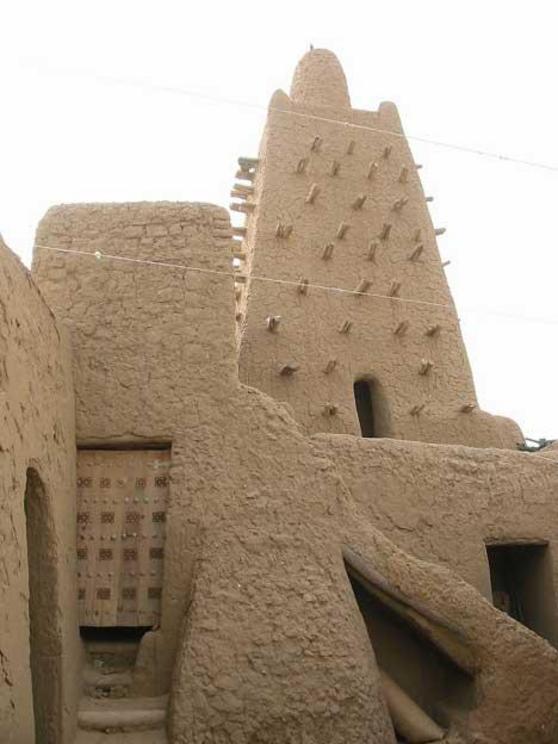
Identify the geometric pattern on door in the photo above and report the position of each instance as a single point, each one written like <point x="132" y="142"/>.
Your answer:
<point x="122" y="499"/>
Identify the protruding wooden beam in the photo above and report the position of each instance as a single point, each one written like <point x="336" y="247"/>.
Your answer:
<point x="283" y="231"/>
<point x="303" y="286"/>
<point x="330" y="366"/>
<point x="387" y="151"/>
<point x="439" y="231"/>
<point x="342" y="230"/>
<point x="400" y="203"/>
<point x="245" y="175"/>
<point x="272" y="322"/>
<point x="363" y="286"/>
<point x="433" y="330"/>
<point x="359" y="201"/>
<point x="289" y="369"/>
<point x="418" y="234"/>
<point x="246" y="207"/>
<point x="351" y="147"/>
<point x="301" y="165"/>
<point x="372" y="170"/>
<point x="240" y="278"/>
<point x="330" y="409"/>
<point x="418" y="166"/>
<point x="417" y="252"/>
<point x="429" y="198"/>
<point x="312" y="193"/>
<point x="468" y="407"/>
<point x="417" y="409"/>
<point x="386" y="229"/>
<point x="394" y="289"/>
<point x="241" y="231"/>
<point x="316" y="144"/>
<point x="372" y="248"/>
<point x="445" y="263"/>
<point x="401" y="328"/>
<point x="335" y="166"/>
<point x="327" y="251"/>
<point x="404" y="175"/>
<point x="425" y="366"/>
<point x="345" y="326"/>
<point x="247" y="163"/>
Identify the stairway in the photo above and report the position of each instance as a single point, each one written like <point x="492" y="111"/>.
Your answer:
<point x="108" y="711"/>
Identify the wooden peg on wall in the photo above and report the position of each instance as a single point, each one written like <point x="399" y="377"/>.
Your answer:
<point x="401" y="328"/>
<point x="372" y="169"/>
<point x="433" y="330"/>
<point x="351" y="147"/>
<point x="417" y="252"/>
<point x="345" y="326"/>
<point x="387" y="151"/>
<point x="330" y="409"/>
<point x="439" y="231"/>
<point x="272" y="322"/>
<point x="363" y="286"/>
<point x="327" y="251"/>
<point x="416" y="410"/>
<point x="316" y="144"/>
<point x="303" y="286"/>
<point x="312" y="194"/>
<point x="394" y="289"/>
<point x="372" y="248"/>
<point x="425" y="366"/>
<point x="342" y="230"/>
<point x="330" y="366"/>
<point x="400" y="203"/>
<point x="386" y="229"/>
<point x="404" y="175"/>
<point x="334" y="170"/>
<point x="301" y="165"/>
<point x="289" y="369"/>
<point x="468" y="408"/>
<point x="359" y="201"/>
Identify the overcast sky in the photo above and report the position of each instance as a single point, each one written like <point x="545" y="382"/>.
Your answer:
<point x="479" y="74"/>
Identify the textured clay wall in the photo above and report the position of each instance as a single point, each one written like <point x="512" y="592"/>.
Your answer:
<point x="445" y="503"/>
<point x="260" y="624"/>
<point x="37" y="462"/>
<point x="315" y="179"/>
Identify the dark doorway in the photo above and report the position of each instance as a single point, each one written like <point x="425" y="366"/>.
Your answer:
<point x="522" y="585"/>
<point x="44" y="642"/>
<point x="364" y="400"/>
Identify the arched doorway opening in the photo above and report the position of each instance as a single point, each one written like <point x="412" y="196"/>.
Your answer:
<point x="371" y="408"/>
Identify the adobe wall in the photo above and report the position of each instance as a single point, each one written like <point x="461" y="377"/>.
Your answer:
<point x="260" y="628"/>
<point x="445" y="503"/>
<point x="317" y="158"/>
<point x="37" y="432"/>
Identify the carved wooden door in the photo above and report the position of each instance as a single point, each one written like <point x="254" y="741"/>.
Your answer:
<point x="122" y="498"/>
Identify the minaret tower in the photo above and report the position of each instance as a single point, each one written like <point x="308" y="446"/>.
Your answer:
<point x="358" y="332"/>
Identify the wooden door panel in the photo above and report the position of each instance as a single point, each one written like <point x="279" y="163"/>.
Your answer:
<point x="122" y="498"/>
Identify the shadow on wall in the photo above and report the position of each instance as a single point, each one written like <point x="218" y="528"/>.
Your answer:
<point x="44" y="643"/>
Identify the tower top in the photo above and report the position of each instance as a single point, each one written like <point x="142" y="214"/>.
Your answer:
<point x="319" y="80"/>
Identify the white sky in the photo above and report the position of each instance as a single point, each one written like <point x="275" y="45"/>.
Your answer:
<point x="481" y="74"/>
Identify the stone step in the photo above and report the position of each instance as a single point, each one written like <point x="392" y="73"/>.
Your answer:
<point x="122" y="715"/>
<point x="100" y="683"/>
<point x="138" y="737"/>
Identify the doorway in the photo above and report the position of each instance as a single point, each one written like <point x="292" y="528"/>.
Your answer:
<point x="522" y="585"/>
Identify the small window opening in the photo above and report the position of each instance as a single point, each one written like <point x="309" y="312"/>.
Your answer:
<point x="522" y="585"/>
<point x="364" y="400"/>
